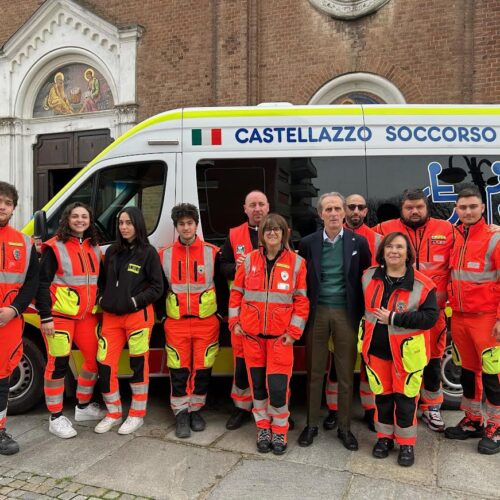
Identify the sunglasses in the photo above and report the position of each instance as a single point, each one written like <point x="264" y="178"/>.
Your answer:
<point x="353" y="206"/>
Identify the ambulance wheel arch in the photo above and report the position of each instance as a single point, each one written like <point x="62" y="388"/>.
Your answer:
<point x="26" y="383"/>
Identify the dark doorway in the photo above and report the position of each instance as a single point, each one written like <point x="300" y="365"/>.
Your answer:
<point x="58" y="157"/>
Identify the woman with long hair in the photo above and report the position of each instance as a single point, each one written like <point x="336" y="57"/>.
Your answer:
<point x="66" y="298"/>
<point x="400" y="308"/>
<point x="130" y="282"/>
<point x="268" y="309"/>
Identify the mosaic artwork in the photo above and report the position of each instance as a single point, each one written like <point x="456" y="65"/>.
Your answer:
<point x="73" y="89"/>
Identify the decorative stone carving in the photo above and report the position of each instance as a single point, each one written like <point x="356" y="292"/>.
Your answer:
<point x="348" y="9"/>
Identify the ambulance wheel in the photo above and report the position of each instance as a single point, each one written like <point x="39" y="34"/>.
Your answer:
<point x="450" y="377"/>
<point x="26" y="383"/>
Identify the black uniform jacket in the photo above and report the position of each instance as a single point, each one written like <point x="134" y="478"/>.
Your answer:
<point x="130" y="274"/>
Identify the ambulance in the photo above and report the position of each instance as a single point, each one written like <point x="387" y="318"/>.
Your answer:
<point x="212" y="157"/>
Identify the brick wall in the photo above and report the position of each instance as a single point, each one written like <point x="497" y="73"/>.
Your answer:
<point x="229" y="52"/>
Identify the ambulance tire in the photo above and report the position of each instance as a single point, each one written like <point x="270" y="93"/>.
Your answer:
<point x="26" y="383"/>
<point x="450" y="377"/>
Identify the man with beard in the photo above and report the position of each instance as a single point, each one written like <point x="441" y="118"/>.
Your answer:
<point x="355" y="215"/>
<point x="432" y="241"/>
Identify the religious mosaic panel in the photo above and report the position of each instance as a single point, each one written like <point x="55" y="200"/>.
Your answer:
<point x="73" y="89"/>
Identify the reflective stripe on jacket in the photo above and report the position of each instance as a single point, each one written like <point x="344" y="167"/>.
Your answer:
<point x="74" y="287"/>
<point x="409" y="347"/>
<point x="432" y="244"/>
<point x="240" y="240"/>
<point x="271" y="305"/>
<point x="475" y="270"/>
<point x="190" y="274"/>
<point x="15" y="255"/>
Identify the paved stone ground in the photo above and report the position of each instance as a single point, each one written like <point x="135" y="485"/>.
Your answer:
<point x="220" y="464"/>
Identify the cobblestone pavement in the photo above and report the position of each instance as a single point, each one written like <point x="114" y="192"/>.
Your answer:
<point x="27" y="486"/>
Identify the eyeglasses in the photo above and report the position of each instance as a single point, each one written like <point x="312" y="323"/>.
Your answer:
<point x="270" y="230"/>
<point x="353" y="207"/>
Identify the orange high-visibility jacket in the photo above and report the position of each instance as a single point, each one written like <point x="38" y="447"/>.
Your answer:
<point x="15" y="255"/>
<point x="432" y="244"/>
<point x="371" y="236"/>
<point x="410" y="347"/>
<point x="270" y="305"/>
<point x="240" y="240"/>
<point x="475" y="270"/>
<point x="190" y="274"/>
<point x="74" y="288"/>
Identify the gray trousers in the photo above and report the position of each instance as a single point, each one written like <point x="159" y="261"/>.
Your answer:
<point x="332" y="322"/>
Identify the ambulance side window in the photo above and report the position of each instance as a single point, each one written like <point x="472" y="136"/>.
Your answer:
<point x="138" y="185"/>
<point x="292" y="186"/>
<point x="441" y="177"/>
<point x="141" y="185"/>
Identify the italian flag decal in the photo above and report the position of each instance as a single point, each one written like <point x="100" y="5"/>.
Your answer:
<point x="206" y="137"/>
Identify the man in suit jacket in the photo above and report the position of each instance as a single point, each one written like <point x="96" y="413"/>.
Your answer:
<point x="336" y="258"/>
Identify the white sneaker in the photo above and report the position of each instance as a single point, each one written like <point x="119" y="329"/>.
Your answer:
<point x="91" y="412"/>
<point x="106" y="424"/>
<point x="432" y="418"/>
<point x="62" y="427"/>
<point x="131" y="425"/>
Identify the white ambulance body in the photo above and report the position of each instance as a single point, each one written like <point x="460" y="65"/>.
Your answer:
<point x="212" y="157"/>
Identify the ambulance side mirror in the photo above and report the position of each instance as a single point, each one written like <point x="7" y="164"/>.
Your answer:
<point x="40" y="220"/>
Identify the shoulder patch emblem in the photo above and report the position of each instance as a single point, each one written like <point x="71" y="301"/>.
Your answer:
<point x="400" y="307"/>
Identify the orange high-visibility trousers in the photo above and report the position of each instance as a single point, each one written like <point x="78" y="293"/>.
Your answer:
<point x="479" y="355"/>
<point x="83" y="332"/>
<point x="11" y="351"/>
<point x="269" y="365"/>
<point x="240" y="390"/>
<point x="192" y="345"/>
<point x="133" y="329"/>
<point x="395" y="413"/>
<point x="431" y="393"/>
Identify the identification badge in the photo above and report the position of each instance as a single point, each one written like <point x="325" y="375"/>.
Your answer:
<point x="134" y="268"/>
<point x="473" y="265"/>
<point x="283" y="286"/>
<point x="284" y="275"/>
<point x="14" y="244"/>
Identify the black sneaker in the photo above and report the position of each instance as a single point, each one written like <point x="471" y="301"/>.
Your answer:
<point x="264" y="437"/>
<point x="198" y="423"/>
<point x="406" y="456"/>
<point x="490" y="443"/>
<point x="279" y="443"/>
<point x="382" y="448"/>
<point x="330" y="421"/>
<point x="465" y="429"/>
<point x="237" y="419"/>
<point x="7" y="445"/>
<point x="182" y="424"/>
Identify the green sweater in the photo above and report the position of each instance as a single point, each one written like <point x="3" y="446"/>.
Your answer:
<point x="332" y="287"/>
